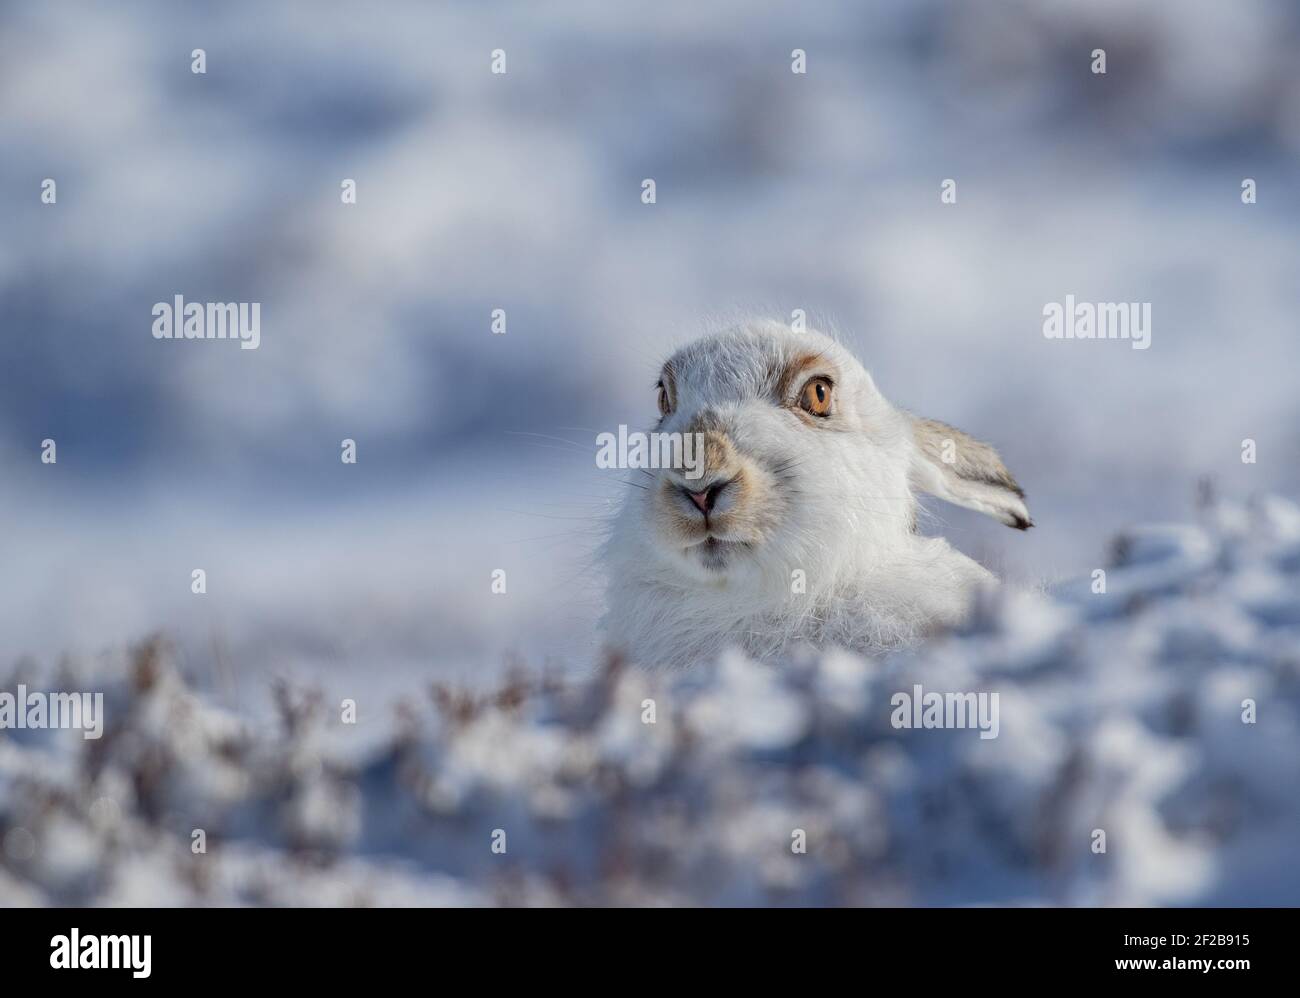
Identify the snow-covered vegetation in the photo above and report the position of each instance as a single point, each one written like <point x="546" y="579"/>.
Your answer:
<point x="1164" y="712"/>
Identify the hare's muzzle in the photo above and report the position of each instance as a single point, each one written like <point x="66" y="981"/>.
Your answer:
<point x="723" y="507"/>
<point x="707" y="498"/>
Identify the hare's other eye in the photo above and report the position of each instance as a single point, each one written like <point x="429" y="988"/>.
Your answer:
<point x="816" y="397"/>
<point x="665" y="404"/>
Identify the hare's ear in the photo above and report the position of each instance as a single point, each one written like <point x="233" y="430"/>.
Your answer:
<point x="959" y="469"/>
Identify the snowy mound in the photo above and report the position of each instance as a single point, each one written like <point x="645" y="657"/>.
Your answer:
<point x="1147" y="751"/>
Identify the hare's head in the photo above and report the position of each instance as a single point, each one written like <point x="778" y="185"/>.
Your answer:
<point x="801" y="461"/>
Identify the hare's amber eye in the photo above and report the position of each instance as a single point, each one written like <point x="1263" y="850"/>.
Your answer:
<point x="665" y="406"/>
<point x="816" y="397"/>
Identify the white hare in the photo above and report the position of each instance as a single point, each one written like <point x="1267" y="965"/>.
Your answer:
<point x="802" y="526"/>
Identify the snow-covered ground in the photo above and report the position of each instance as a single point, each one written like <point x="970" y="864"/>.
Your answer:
<point x="1163" y="712"/>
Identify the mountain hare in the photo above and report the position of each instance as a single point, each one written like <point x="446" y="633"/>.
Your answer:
<point x="798" y="521"/>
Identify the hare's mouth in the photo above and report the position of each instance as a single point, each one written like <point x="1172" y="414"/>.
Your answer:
<point x="715" y="553"/>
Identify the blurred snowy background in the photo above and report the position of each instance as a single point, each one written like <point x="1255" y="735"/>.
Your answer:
<point x="521" y="192"/>
<point x="477" y="191"/>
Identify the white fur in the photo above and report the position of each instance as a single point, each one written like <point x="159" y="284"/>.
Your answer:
<point x="843" y="513"/>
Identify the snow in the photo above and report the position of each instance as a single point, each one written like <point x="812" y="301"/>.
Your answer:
<point x="1120" y="712"/>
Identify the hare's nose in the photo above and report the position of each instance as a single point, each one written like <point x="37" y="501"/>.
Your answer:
<point x="702" y="500"/>
<point x="706" y="500"/>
